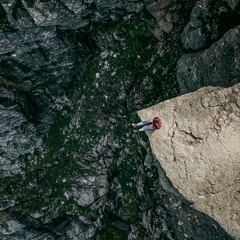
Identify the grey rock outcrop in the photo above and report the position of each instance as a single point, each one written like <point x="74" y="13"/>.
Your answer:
<point x="193" y="36"/>
<point x="66" y="14"/>
<point x="233" y="3"/>
<point x="169" y="16"/>
<point x="72" y="75"/>
<point x="199" y="148"/>
<point x="219" y="65"/>
<point x="40" y="57"/>
<point x="43" y="49"/>
<point x="208" y="22"/>
<point x="44" y="44"/>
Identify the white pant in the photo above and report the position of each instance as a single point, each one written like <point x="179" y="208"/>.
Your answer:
<point x="146" y="125"/>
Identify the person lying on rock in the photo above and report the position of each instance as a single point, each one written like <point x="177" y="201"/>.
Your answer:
<point x="154" y="124"/>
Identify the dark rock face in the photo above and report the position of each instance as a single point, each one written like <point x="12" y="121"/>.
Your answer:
<point x="43" y="57"/>
<point x="217" y="65"/>
<point x="44" y="62"/>
<point x="39" y="63"/>
<point x="73" y="73"/>
<point x="208" y="22"/>
<point x="66" y="14"/>
<point x="55" y="177"/>
<point x="217" y="61"/>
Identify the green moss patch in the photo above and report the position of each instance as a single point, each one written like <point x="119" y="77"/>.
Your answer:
<point x="133" y="66"/>
<point x="113" y="233"/>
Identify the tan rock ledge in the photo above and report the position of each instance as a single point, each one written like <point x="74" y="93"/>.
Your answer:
<point x="199" y="148"/>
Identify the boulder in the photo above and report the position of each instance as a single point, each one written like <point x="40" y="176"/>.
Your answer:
<point x="209" y="20"/>
<point x="194" y="35"/>
<point x="199" y="148"/>
<point x="219" y="65"/>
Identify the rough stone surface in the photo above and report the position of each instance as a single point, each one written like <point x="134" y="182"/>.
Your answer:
<point x="193" y="36"/>
<point x="61" y="175"/>
<point x="67" y="14"/>
<point x="165" y="26"/>
<point x="219" y="65"/>
<point x="17" y="135"/>
<point x="160" y="4"/>
<point x="207" y="23"/>
<point x="167" y="14"/>
<point x="199" y="148"/>
<point x="73" y="73"/>
<point x="233" y="3"/>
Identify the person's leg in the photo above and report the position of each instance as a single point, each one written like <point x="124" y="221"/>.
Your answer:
<point x="143" y="123"/>
<point x="147" y="127"/>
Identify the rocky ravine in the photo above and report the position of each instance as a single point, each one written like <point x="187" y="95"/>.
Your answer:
<point x="199" y="148"/>
<point x="71" y="79"/>
<point x="73" y="73"/>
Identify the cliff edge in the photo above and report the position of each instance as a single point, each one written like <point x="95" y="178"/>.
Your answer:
<point x="199" y="148"/>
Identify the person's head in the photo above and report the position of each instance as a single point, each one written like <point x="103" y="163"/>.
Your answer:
<point x="157" y="120"/>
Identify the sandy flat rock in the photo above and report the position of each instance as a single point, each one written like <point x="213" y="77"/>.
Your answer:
<point x="199" y="148"/>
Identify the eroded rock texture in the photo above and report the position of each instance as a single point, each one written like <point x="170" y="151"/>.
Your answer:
<point x="72" y="75"/>
<point x="207" y="23"/>
<point x="219" y="65"/>
<point x="199" y="148"/>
